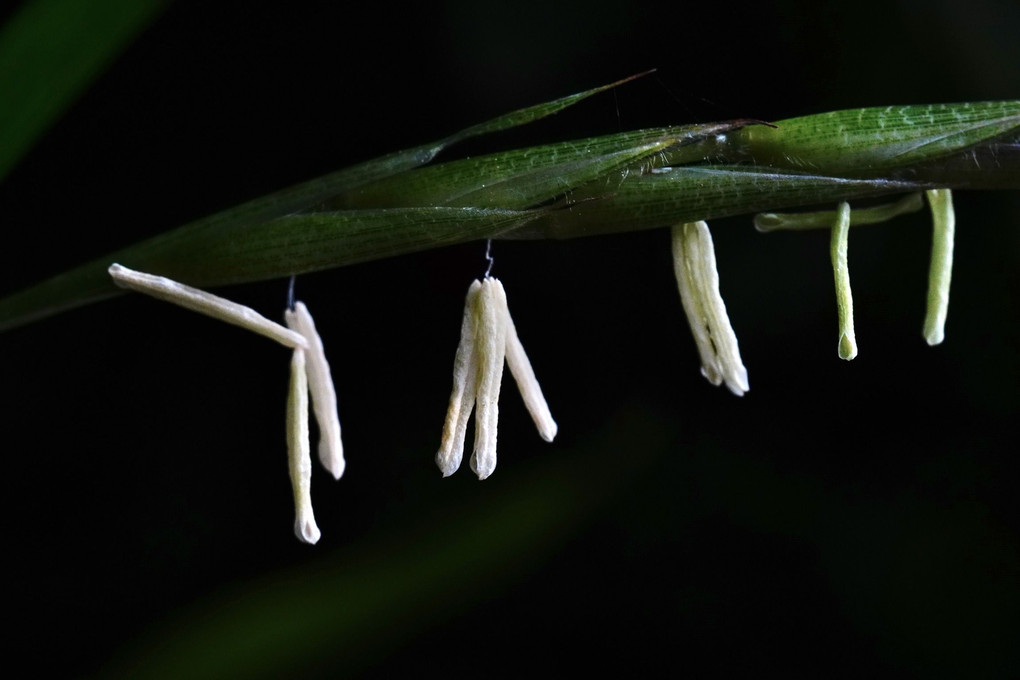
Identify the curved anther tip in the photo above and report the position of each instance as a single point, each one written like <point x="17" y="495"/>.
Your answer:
<point x="336" y="468"/>
<point x="307" y="531"/>
<point x="548" y="431"/>
<point x="847" y="347"/>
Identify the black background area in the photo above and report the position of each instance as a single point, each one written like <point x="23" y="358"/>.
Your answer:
<point x="840" y="518"/>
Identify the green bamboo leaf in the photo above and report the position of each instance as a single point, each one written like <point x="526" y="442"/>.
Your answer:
<point x="302" y="243"/>
<point x="524" y="177"/>
<point x="50" y="51"/>
<point x="688" y="194"/>
<point x="292" y="244"/>
<point x="870" y="141"/>
<point x="622" y="182"/>
<point x="325" y="190"/>
<point x="173" y="254"/>
<point x="533" y="113"/>
<point x="322" y="190"/>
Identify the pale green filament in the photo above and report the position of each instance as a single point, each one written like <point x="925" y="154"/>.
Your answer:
<point x="823" y="219"/>
<point x="941" y="271"/>
<point x="844" y="299"/>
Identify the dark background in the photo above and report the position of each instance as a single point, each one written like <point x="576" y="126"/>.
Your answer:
<point x="838" y="519"/>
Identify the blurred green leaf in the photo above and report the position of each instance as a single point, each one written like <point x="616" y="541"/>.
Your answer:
<point x="335" y="614"/>
<point x="50" y="52"/>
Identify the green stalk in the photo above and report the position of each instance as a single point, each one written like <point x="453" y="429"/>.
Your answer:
<point x="621" y="182"/>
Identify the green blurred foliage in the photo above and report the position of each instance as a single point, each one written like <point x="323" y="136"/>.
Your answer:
<point x="50" y="52"/>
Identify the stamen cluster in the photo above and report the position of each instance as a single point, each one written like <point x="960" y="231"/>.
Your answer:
<point x="488" y="338"/>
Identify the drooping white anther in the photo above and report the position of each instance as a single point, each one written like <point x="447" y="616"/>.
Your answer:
<point x="488" y="336"/>
<point x="299" y="450"/>
<point x="941" y="269"/>
<point x="847" y="346"/>
<point x="320" y="384"/>
<point x="698" y="280"/>
<point x="462" y="399"/>
<point x="527" y="383"/>
<point x="489" y="315"/>
<point x="200" y="301"/>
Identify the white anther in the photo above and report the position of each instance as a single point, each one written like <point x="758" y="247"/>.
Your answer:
<point x="202" y="302"/>
<point x="298" y="450"/>
<point x="698" y="281"/>
<point x="320" y="384"/>
<point x="487" y="337"/>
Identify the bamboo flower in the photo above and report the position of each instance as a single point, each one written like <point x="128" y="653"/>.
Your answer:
<point x="488" y="336"/>
<point x="320" y="384"/>
<point x="311" y="371"/>
<point x="698" y="281"/>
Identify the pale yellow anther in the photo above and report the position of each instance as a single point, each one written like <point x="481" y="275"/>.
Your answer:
<point x="320" y="385"/>
<point x="698" y="281"/>
<point x="299" y="450"/>
<point x="202" y="302"/>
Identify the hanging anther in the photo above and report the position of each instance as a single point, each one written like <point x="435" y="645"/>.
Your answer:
<point x="847" y="347"/>
<point x="698" y="280"/>
<point x="487" y="337"/>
